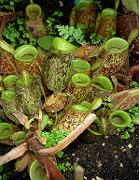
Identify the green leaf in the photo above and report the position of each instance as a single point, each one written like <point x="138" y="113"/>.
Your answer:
<point x="125" y="135"/>
<point x="1" y="168"/>
<point x="53" y="137"/>
<point x="131" y="5"/>
<point x="20" y="21"/>
<point x="60" y="154"/>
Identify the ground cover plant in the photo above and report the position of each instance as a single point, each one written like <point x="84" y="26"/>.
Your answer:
<point x="65" y="84"/>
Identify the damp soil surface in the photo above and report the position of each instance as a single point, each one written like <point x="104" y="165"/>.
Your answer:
<point x="108" y="158"/>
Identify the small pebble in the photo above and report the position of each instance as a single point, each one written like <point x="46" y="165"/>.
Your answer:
<point x="106" y="137"/>
<point x="114" y="152"/>
<point x="99" y="178"/>
<point x="61" y="4"/>
<point x="77" y="159"/>
<point x="121" y="164"/>
<point x="99" y="164"/>
<point x="103" y="144"/>
<point x="123" y="148"/>
<point x="130" y="146"/>
<point x="116" y="156"/>
<point x="73" y="154"/>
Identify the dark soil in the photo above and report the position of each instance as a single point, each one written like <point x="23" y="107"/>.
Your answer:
<point x="108" y="158"/>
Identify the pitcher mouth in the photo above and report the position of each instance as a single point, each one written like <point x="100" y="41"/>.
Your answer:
<point x="63" y="45"/>
<point x="120" y="119"/>
<point x="81" y="80"/>
<point x="84" y="3"/>
<point x="26" y="53"/>
<point x="108" y="13"/>
<point x="80" y="65"/>
<point x="116" y="45"/>
<point x="33" y="11"/>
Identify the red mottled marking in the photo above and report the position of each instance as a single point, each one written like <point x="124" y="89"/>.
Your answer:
<point x="106" y="27"/>
<point x="126" y="23"/>
<point x="6" y="64"/>
<point x="86" y="16"/>
<point x="112" y="63"/>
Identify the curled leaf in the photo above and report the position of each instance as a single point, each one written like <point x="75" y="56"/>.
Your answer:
<point x="124" y="99"/>
<point x="120" y="119"/>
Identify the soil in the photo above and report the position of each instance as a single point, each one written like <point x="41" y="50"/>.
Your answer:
<point x="108" y="158"/>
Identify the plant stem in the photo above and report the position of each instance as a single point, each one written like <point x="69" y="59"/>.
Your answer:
<point x="49" y="167"/>
<point x="31" y="1"/>
<point x="117" y="2"/>
<point x="14" y="154"/>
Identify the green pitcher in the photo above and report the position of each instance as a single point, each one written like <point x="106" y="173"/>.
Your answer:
<point x="114" y="57"/>
<point x="25" y="57"/>
<point x="84" y="16"/>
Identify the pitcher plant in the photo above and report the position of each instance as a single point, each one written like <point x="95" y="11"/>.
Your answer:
<point x="129" y="18"/>
<point x="83" y="15"/>
<point x="114" y="57"/>
<point x="25" y="57"/>
<point x="106" y="24"/>
<point x="34" y="23"/>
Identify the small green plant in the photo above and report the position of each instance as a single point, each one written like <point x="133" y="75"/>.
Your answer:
<point x="134" y="114"/>
<point x="60" y="154"/>
<point x="8" y="4"/>
<point x="10" y="33"/>
<point x="134" y="84"/>
<point x="71" y="34"/>
<point x="98" y="5"/>
<point x="109" y="105"/>
<point x="65" y="167"/>
<point x="57" y="13"/>
<point x="6" y="171"/>
<point x="95" y="38"/>
<point x="52" y="21"/>
<point x="53" y="137"/>
<point x="106" y="103"/>
<point x="127" y="133"/>
<point x="16" y="34"/>
<point x="134" y="110"/>
<point x="113" y="33"/>
<point x="51" y="25"/>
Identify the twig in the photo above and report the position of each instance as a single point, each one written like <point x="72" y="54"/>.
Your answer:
<point x="49" y="167"/>
<point x="14" y="153"/>
<point x="78" y="173"/>
<point x="23" y="119"/>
